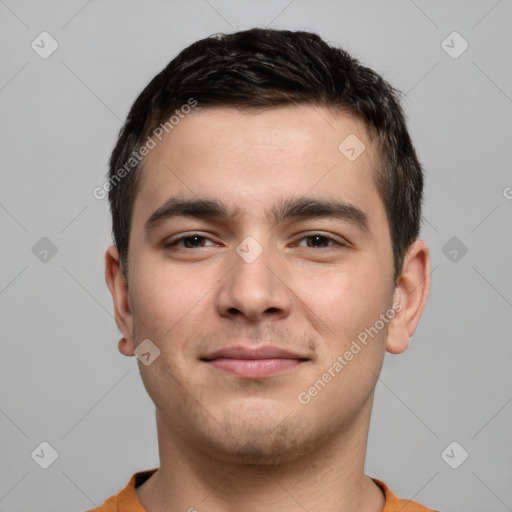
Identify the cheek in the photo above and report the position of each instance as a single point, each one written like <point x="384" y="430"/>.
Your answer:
<point x="165" y="297"/>
<point x="346" y="299"/>
<point x="346" y="305"/>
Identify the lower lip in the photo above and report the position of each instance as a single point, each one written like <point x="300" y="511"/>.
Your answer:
<point x="254" y="368"/>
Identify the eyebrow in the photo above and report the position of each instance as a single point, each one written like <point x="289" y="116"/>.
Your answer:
<point x="294" y="208"/>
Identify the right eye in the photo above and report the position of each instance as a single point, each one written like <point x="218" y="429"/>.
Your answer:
<point x="190" y="241"/>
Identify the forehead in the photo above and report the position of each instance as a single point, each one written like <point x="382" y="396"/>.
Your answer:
<point x="250" y="159"/>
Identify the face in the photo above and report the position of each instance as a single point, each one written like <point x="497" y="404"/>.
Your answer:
<point x="298" y="298"/>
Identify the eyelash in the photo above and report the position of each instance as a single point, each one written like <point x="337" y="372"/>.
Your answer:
<point x="174" y="243"/>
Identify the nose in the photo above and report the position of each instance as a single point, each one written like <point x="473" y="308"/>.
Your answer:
<point x="254" y="289"/>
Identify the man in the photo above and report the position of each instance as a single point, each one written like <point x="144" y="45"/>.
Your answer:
<point x="266" y="203"/>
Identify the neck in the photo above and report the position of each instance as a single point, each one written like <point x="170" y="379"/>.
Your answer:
<point x="329" y="479"/>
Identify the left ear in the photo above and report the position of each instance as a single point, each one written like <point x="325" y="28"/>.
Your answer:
<point x="411" y="293"/>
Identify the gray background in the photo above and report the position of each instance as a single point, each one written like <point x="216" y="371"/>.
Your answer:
<point x="62" y="379"/>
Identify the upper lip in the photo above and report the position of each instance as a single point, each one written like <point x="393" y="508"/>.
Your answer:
<point x="241" y="352"/>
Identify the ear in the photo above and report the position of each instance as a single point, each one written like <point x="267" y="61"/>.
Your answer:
<point x="411" y="294"/>
<point x="118" y="287"/>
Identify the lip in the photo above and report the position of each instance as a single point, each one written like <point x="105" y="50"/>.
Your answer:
<point x="254" y="362"/>
<point x="241" y="352"/>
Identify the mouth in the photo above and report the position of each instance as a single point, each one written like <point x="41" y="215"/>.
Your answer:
<point x="251" y="363"/>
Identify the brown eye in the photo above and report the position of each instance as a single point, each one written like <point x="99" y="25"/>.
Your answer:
<point x="193" y="241"/>
<point x="318" y="241"/>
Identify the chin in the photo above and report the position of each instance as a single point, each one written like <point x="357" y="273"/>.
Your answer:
<point x="258" y="444"/>
<point x="259" y="454"/>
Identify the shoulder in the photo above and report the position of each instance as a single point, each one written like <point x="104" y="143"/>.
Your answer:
<point x="126" y="500"/>
<point x="394" y="504"/>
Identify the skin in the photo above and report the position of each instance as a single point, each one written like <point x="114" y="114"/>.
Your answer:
<point x="230" y="443"/>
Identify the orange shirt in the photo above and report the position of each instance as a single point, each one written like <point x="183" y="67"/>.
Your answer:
<point x="126" y="500"/>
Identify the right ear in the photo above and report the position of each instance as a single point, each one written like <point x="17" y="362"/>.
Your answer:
<point x="411" y="293"/>
<point x="118" y="287"/>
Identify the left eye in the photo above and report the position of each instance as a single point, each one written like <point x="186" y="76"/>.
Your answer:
<point x="319" y="240"/>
